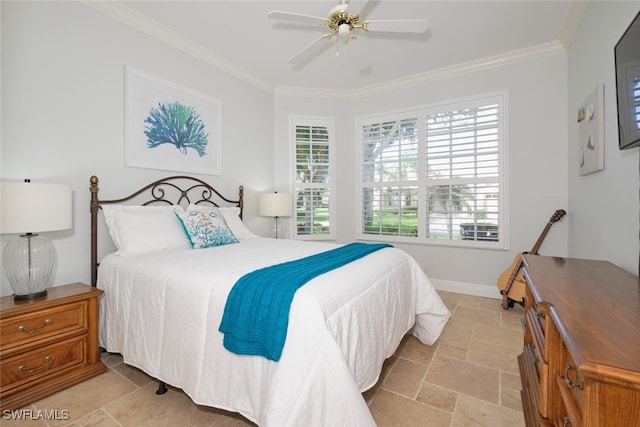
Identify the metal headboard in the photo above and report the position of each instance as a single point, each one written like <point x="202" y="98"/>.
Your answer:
<point x="172" y="190"/>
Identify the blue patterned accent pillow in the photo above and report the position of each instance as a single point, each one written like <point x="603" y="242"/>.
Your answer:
<point x="206" y="228"/>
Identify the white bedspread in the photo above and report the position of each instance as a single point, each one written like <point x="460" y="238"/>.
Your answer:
<point x="162" y="310"/>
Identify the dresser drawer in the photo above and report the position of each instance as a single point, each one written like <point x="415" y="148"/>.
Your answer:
<point x="43" y="325"/>
<point x="570" y="383"/>
<point x="537" y="349"/>
<point x="29" y="367"/>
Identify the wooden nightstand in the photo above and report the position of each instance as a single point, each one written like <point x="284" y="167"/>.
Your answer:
<point x="48" y="344"/>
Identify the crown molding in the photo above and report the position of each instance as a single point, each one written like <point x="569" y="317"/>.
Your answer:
<point x="553" y="48"/>
<point x="483" y="64"/>
<point x="309" y="92"/>
<point x="164" y="34"/>
<point x="576" y="13"/>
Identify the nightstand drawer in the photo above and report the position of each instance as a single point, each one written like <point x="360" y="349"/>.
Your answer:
<point x="26" y="368"/>
<point x="48" y="344"/>
<point x="42" y="325"/>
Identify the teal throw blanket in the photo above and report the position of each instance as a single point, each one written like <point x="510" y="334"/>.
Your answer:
<point x="256" y="315"/>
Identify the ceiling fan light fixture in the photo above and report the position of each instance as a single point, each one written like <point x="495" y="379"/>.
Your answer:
<point x="341" y="24"/>
<point x="344" y="30"/>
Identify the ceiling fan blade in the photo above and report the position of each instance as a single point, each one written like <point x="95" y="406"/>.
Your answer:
<point x="309" y="50"/>
<point x="297" y="17"/>
<point x="358" y="55"/>
<point x="398" y="26"/>
<point x="358" y="8"/>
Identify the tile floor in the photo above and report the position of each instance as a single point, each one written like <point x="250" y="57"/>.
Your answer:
<point x="468" y="378"/>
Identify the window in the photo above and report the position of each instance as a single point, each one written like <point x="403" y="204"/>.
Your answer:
<point x="435" y="174"/>
<point x="314" y="191"/>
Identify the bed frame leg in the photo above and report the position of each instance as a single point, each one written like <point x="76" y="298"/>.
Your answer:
<point x="162" y="388"/>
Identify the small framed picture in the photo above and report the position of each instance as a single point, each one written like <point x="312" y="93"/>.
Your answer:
<point x="591" y="133"/>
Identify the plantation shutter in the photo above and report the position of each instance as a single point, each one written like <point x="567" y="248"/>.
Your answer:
<point x="313" y="178"/>
<point x="389" y="173"/>
<point x="462" y="156"/>
<point x="435" y="174"/>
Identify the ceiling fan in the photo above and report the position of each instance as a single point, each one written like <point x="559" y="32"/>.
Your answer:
<point x="345" y="22"/>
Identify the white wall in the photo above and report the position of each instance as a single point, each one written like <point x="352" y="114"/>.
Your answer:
<point x="604" y="205"/>
<point x="63" y="121"/>
<point x="543" y="95"/>
<point x="537" y="157"/>
<point x="63" y="113"/>
<point x="284" y="108"/>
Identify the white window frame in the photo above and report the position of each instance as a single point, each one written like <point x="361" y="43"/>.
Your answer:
<point x="501" y="99"/>
<point x="329" y="124"/>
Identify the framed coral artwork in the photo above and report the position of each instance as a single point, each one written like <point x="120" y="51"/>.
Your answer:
<point x="170" y="127"/>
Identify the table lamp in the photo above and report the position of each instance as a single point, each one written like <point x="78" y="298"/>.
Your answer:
<point x="28" y="209"/>
<point x="275" y="205"/>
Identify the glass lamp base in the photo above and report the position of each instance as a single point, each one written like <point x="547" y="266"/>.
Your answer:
<point x="28" y="262"/>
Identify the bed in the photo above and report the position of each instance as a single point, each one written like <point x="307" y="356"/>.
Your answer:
<point x="164" y="301"/>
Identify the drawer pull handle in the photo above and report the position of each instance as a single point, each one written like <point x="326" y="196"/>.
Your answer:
<point x="24" y="369"/>
<point x="24" y="329"/>
<point x="566" y="422"/>
<point x="533" y="354"/>
<point x="571" y="384"/>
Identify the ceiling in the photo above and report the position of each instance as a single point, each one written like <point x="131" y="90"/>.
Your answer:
<point x="238" y="36"/>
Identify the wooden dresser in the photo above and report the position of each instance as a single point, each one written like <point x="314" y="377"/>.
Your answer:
<point x="48" y="344"/>
<point x="581" y="360"/>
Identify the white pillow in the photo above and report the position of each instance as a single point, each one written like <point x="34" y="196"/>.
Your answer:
<point x="232" y="217"/>
<point x="136" y="229"/>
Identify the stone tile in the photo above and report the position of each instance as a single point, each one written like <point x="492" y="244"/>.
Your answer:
<point x="512" y="318"/>
<point x="490" y="303"/>
<point x="144" y="408"/>
<point x="456" y="386"/>
<point x="414" y="350"/>
<point x="449" y="299"/>
<point x="457" y="332"/>
<point x="386" y="368"/>
<point x="134" y="375"/>
<point x="110" y="359"/>
<point x="510" y="380"/>
<point x="27" y="416"/>
<point x="476" y="315"/>
<point x="232" y="420"/>
<point x="405" y="378"/>
<point x="453" y="351"/>
<point x="438" y="397"/>
<point x="494" y="356"/>
<point x="468" y="378"/>
<point x="476" y="412"/>
<point x="86" y="397"/>
<point x="470" y="301"/>
<point x="96" y="419"/>
<point x="504" y="337"/>
<point x="511" y="399"/>
<point x="392" y="410"/>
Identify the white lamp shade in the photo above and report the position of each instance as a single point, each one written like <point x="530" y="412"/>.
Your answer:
<point x="29" y="207"/>
<point x="275" y="204"/>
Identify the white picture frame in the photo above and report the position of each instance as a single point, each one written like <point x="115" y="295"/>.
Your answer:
<point x="171" y="127"/>
<point x="591" y="133"/>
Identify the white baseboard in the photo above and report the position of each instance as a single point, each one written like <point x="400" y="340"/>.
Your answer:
<point x="466" y="288"/>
